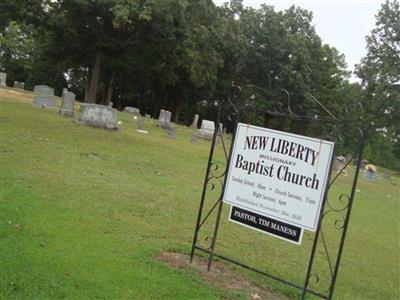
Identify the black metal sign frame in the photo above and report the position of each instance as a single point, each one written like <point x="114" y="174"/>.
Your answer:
<point x="346" y="199"/>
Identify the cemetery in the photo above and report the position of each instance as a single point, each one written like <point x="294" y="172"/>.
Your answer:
<point x="178" y="157"/>
<point x="135" y="206"/>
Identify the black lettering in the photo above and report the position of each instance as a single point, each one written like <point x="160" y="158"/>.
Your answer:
<point x="247" y="143"/>
<point x="263" y="142"/>
<point x="239" y="159"/>
<point x="284" y="148"/>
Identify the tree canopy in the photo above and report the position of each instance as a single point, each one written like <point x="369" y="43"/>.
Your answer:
<point x="380" y="74"/>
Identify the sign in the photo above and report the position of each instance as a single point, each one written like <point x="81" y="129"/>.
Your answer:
<point x="266" y="225"/>
<point x="279" y="175"/>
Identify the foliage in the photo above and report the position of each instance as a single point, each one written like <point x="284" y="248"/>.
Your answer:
<point x="380" y="75"/>
<point x="16" y="51"/>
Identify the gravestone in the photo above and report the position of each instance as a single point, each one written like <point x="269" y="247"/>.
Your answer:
<point x="193" y="140"/>
<point x="44" y="96"/>
<point x="364" y="163"/>
<point x="370" y="175"/>
<point x="141" y="124"/>
<point x="161" y="115"/>
<point x="161" y="118"/>
<point x="172" y="132"/>
<point x="132" y="110"/>
<point x="147" y="116"/>
<point x="339" y="163"/>
<point x="64" y="91"/>
<point x="67" y="104"/>
<point x="110" y="104"/>
<point x="195" y="121"/>
<point x="207" y="130"/>
<point x="168" y="115"/>
<point x="164" y="119"/>
<point x="224" y="130"/>
<point x="3" y="78"/>
<point x="19" y="85"/>
<point x="100" y="116"/>
<point x="370" y="172"/>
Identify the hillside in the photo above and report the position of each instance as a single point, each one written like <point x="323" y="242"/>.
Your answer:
<point x="84" y="212"/>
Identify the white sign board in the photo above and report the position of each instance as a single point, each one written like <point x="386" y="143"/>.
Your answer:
<point x="278" y="174"/>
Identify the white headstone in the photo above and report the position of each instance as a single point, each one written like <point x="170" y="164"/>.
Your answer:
<point x="132" y="110"/>
<point x="168" y="115"/>
<point x="97" y="115"/>
<point x="19" y="85"/>
<point x="43" y="90"/>
<point x="207" y="130"/>
<point x="164" y="119"/>
<point x="339" y="163"/>
<point x="44" y="96"/>
<point x="207" y="125"/>
<point x="195" y="121"/>
<point x="161" y="115"/>
<point x="3" y="78"/>
<point x="67" y="104"/>
<point x="171" y="132"/>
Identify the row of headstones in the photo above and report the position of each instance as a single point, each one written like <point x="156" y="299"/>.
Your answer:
<point x="106" y="117"/>
<point x="17" y="84"/>
<point x="100" y="115"/>
<point x="164" y="121"/>
<point x="205" y="132"/>
<point x="94" y="115"/>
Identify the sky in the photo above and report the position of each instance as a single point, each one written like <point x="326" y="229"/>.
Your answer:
<point x="341" y="24"/>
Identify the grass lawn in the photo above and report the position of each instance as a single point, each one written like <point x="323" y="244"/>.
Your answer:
<point x="83" y="213"/>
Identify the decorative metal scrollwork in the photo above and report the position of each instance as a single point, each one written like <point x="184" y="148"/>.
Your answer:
<point x="336" y="211"/>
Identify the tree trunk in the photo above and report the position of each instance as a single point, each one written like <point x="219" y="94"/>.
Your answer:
<point x="267" y="120"/>
<point x="109" y="92"/>
<point x="94" y="79"/>
<point x="177" y="109"/>
<point x="87" y="85"/>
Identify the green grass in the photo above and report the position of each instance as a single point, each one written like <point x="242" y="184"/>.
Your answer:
<point x="94" y="207"/>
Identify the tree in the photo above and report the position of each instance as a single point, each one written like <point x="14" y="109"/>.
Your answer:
<point x="380" y="69"/>
<point x="380" y="75"/>
<point x="16" y="51"/>
<point x="281" y="50"/>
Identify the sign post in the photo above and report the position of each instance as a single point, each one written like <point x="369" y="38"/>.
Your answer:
<point x="277" y="183"/>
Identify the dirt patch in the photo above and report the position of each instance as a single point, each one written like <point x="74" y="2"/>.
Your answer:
<point x="220" y="276"/>
<point x="16" y="95"/>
